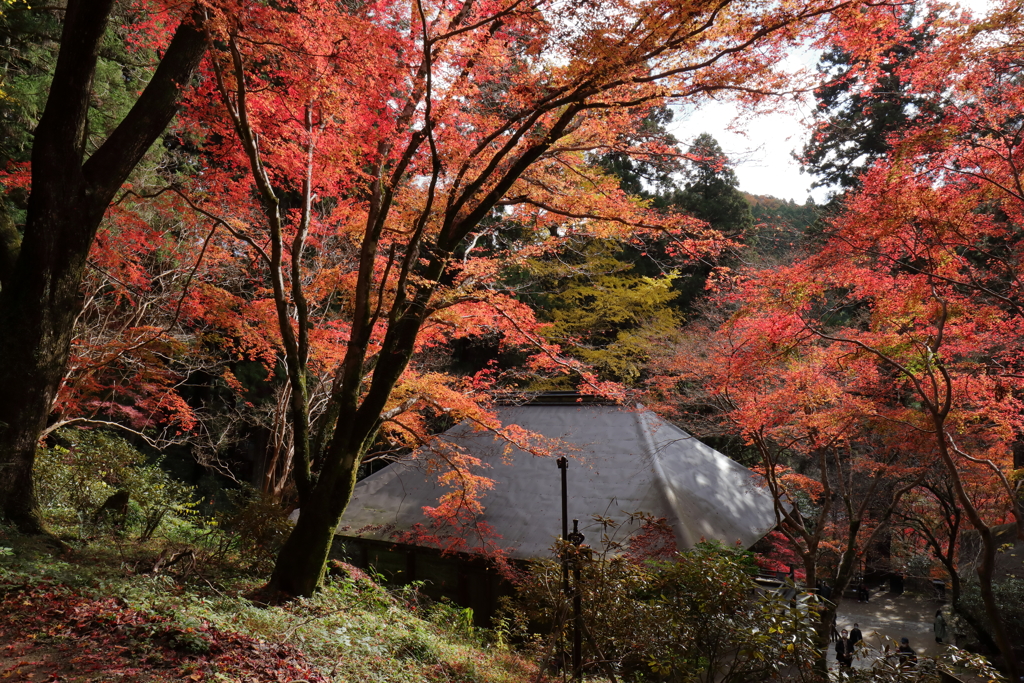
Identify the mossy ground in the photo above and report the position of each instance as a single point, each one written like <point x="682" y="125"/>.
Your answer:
<point x="100" y="613"/>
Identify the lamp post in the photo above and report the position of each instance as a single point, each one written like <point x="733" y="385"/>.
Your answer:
<point x="563" y="465"/>
<point x="576" y="538"/>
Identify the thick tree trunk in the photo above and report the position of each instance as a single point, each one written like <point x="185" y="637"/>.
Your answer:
<point x="303" y="559"/>
<point x="37" y="315"/>
<point x="40" y="299"/>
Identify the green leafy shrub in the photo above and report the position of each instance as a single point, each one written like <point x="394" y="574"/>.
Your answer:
<point x="1009" y="594"/>
<point x="75" y="479"/>
<point x="884" y="666"/>
<point x="696" y="617"/>
<point x="255" y="527"/>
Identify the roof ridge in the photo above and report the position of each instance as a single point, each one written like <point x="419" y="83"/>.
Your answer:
<point x="547" y="398"/>
<point x="667" y="492"/>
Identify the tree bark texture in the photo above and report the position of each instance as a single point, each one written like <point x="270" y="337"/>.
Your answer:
<point x="985" y="568"/>
<point x="41" y="298"/>
<point x="302" y="562"/>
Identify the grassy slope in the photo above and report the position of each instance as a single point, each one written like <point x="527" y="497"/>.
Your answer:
<point x="100" y="614"/>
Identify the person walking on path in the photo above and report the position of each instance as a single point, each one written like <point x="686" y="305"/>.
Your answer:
<point x="855" y="636"/>
<point x="862" y="592"/>
<point x="939" y="625"/>
<point x="844" y="651"/>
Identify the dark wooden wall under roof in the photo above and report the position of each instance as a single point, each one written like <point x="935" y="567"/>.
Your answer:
<point x="465" y="579"/>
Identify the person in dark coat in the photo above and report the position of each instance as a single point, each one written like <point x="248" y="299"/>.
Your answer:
<point x="856" y="636"/>
<point x="844" y="651"/>
<point x="908" y="657"/>
<point x="862" y="592"/>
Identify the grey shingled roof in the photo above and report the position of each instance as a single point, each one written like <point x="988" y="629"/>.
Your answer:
<point x="622" y="461"/>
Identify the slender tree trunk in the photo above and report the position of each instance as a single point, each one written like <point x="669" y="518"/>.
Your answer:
<point x="843" y="575"/>
<point x="954" y="585"/>
<point x="986" y="567"/>
<point x="40" y="299"/>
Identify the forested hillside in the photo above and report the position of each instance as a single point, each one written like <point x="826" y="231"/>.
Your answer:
<point x="251" y="253"/>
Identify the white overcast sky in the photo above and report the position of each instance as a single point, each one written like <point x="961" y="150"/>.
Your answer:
<point x="761" y="148"/>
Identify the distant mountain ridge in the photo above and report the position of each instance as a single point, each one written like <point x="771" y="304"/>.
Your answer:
<point x="772" y="210"/>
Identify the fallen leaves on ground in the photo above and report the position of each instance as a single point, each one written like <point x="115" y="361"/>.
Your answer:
<point x="52" y="633"/>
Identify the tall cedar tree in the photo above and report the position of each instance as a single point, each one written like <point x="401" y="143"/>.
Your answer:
<point x="710" y="192"/>
<point x="855" y="115"/>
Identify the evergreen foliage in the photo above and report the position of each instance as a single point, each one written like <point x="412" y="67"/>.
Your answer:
<point x="29" y="49"/>
<point x="710" y="192"/>
<point x="653" y="175"/>
<point x="854" y="122"/>
<point x="601" y="311"/>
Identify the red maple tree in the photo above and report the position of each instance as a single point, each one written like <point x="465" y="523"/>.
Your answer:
<point x="400" y="130"/>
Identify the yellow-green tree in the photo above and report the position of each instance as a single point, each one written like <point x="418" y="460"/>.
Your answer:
<point x="598" y="309"/>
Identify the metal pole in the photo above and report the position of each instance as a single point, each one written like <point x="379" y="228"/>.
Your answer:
<point x="577" y="538"/>
<point x="577" y="625"/>
<point x="563" y="465"/>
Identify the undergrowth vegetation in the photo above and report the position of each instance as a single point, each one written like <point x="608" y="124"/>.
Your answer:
<point x="697" y="616"/>
<point x="187" y="583"/>
<point x="353" y="630"/>
<point x="93" y="479"/>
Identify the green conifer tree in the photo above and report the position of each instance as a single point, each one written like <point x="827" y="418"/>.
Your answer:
<point x="711" y="192"/>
